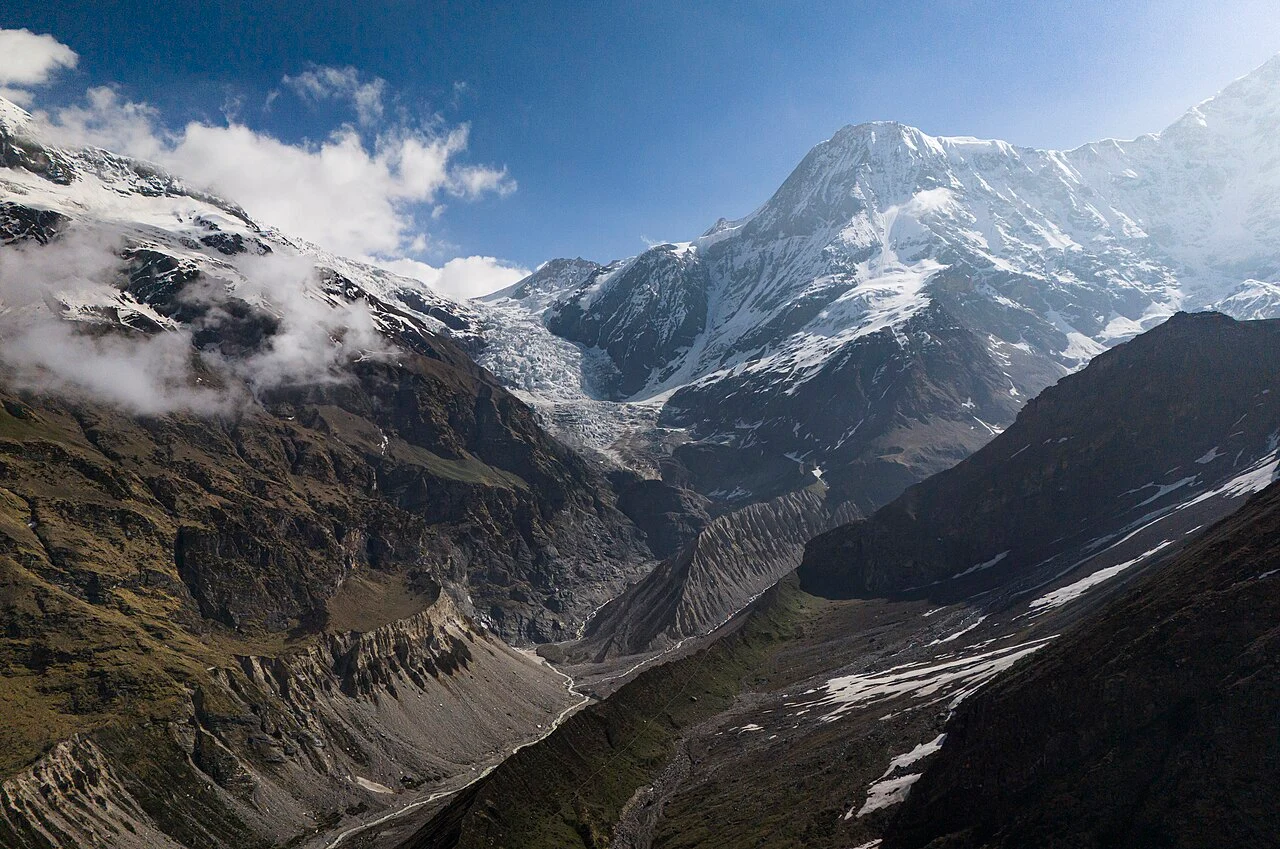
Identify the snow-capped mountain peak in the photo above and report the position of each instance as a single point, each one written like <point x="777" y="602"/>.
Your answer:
<point x="885" y="240"/>
<point x="135" y="208"/>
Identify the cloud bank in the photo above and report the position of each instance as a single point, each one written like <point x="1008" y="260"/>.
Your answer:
<point x="357" y="192"/>
<point x="310" y="341"/>
<point x="145" y="374"/>
<point x="461" y="278"/>
<point x="367" y="190"/>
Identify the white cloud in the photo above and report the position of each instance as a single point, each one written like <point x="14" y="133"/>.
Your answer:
<point x="357" y="192"/>
<point x="324" y="82"/>
<point x="105" y="120"/>
<point x="365" y="191"/>
<point x="472" y="181"/>
<point x="461" y="278"/>
<point x="310" y="343"/>
<point x="27" y="60"/>
<point x="315" y="338"/>
<point x="144" y="373"/>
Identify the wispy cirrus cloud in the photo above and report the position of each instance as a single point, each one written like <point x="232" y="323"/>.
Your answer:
<point x="326" y="82"/>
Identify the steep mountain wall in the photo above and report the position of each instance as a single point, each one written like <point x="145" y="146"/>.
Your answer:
<point x="263" y="523"/>
<point x="901" y="295"/>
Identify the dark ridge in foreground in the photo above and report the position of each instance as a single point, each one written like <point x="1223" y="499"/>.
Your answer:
<point x="1180" y="409"/>
<point x="1152" y="724"/>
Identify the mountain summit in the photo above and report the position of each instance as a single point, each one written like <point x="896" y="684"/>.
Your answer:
<point x="901" y="295"/>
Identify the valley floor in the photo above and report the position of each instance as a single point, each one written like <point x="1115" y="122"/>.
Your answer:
<point x="801" y="723"/>
<point x="388" y="827"/>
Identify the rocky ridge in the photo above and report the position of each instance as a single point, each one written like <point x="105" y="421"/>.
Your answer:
<point x="273" y="747"/>
<point x="1151" y="438"/>
<point x="730" y="562"/>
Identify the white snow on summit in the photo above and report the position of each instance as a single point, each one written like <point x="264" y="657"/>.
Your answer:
<point x="1053" y="255"/>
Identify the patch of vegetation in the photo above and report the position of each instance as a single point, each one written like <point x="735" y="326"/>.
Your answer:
<point x="466" y="469"/>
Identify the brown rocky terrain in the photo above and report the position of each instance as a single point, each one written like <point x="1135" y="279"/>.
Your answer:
<point x="269" y="749"/>
<point x="732" y="560"/>
<point x="242" y="607"/>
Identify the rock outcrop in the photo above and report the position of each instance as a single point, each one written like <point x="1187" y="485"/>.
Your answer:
<point x="270" y="748"/>
<point x="729" y="563"/>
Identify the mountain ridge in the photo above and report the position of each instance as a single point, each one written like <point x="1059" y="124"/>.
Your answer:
<point x="1161" y="700"/>
<point x="1048" y="257"/>
<point x="1161" y="424"/>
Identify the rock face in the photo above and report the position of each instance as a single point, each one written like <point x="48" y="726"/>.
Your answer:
<point x="900" y="296"/>
<point x="729" y="563"/>
<point x="73" y="796"/>
<point x="1152" y="724"/>
<point x="402" y="431"/>
<point x="1160" y="433"/>
<point x="671" y="517"/>
<point x="270" y="748"/>
<point x="138" y="554"/>
<point x="913" y="400"/>
<point x="642" y="313"/>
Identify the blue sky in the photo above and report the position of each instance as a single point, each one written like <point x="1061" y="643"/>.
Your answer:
<point x="619" y="122"/>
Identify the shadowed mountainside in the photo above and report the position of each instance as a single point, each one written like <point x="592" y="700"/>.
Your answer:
<point x="1183" y="414"/>
<point x="1151" y="724"/>
<point x="731" y="561"/>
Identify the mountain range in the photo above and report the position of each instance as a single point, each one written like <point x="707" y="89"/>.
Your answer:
<point x="897" y="300"/>
<point x="1104" y="681"/>
<point x="926" y="505"/>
